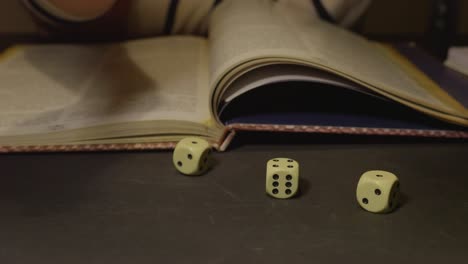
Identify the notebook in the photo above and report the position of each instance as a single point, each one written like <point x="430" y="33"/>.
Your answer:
<point x="261" y="69"/>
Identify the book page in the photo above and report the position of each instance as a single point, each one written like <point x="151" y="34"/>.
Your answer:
<point x="248" y="34"/>
<point x="272" y="74"/>
<point x="51" y="88"/>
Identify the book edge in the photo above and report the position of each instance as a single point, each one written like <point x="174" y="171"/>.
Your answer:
<point x="366" y="131"/>
<point x="414" y="72"/>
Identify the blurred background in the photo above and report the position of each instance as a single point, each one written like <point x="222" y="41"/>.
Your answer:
<point x="434" y="24"/>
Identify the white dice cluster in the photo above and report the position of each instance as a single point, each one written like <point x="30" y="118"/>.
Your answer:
<point x="377" y="191"/>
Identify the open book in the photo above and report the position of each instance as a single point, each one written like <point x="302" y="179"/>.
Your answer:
<point x="262" y="68"/>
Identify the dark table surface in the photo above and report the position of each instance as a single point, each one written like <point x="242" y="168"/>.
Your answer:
<point x="135" y="208"/>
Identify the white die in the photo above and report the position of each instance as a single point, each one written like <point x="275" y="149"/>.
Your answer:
<point x="191" y="156"/>
<point x="378" y="191"/>
<point x="282" y="178"/>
